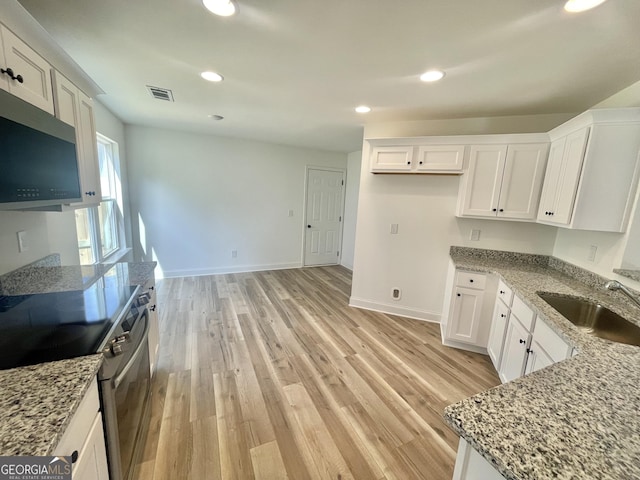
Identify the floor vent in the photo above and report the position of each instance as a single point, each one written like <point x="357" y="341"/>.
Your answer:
<point x="160" y="93"/>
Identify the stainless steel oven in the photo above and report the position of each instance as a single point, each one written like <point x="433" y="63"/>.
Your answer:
<point x="125" y="387"/>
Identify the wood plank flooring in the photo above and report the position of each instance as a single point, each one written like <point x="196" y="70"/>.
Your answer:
<point x="271" y="375"/>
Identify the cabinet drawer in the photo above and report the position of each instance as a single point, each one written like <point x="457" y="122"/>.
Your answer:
<point x="471" y="280"/>
<point x="505" y="293"/>
<point x="524" y="314"/>
<point x="550" y="341"/>
<point x="74" y="436"/>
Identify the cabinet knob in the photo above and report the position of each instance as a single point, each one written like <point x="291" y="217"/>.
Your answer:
<point x="502" y="315"/>
<point x="9" y="71"/>
<point x="74" y="456"/>
<point x="502" y="292"/>
<point x="421" y="162"/>
<point x="408" y="163"/>
<point x="522" y="341"/>
<point x="458" y="294"/>
<point x="502" y="209"/>
<point x="494" y="209"/>
<point x="471" y="280"/>
<point x="153" y="308"/>
<point x="552" y="213"/>
<point x="308" y="226"/>
<point x="529" y="350"/>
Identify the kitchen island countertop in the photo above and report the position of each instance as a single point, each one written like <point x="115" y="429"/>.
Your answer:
<point x="576" y="419"/>
<point x="38" y="401"/>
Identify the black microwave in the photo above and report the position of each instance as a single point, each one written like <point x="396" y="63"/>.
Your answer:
<point x="38" y="160"/>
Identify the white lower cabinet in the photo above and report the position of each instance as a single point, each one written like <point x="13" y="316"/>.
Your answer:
<point x="520" y="342"/>
<point x="154" y="333"/>
<point x="514" y="352"/>
<point x="470" y="465"/>
<point x="467" y="310"/>
<point x="83" y="440"/>
<point x="497" y="332"/>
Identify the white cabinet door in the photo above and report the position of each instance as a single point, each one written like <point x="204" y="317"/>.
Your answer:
<point x="514" y="353"/>
<point x="391" y="159"/>
<point x="32" y="72"/>
<point x="90" y="171"/>
<point x="574" y="149"/>
<point x="567" y="179"/>
<point x="470" y="465"/>
<point x="497" y="333"/>
<point x="522" y="181"/>
<point x="537" y="358"/>
<point x="72" y="106"/>
<point x="92" y="460"/>
<point x="464" y="323"/>
<point x="440" y="158"/>
<point x="154" y="333"/>
<point x="551" y="179"/>
<point x="484" y="180"/>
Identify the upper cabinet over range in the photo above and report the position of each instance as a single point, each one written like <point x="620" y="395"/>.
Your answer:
<point x="24" y="73"/>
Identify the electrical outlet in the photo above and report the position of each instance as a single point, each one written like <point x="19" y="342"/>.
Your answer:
<point x="396" y="293"/>
<point x="23" y="245"/>
<point x="475" y="235"/>
<point x="592" y="253"/>
<point x="234" y="253"/>
<point x="394" y="228"/>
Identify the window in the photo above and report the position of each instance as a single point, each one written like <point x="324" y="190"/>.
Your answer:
<point x="100" y="229"/>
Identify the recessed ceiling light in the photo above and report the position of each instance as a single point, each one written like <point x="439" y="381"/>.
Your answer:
<point x="363" y="109"/>
<point x="574" y="6"/>
<point x="212" y="76"/>
<point x="216" y="117"/>
<point x="432" y="76"/>
<point x="224" y="8"/>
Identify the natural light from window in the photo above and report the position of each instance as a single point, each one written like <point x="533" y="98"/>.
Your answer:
<point x="100" y="228"/>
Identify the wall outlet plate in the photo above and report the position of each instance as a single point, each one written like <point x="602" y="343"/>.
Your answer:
<point x="475" y="234"/>
<point x="396" y="293"/>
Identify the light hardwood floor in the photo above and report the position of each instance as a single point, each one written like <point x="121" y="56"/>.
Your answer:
<point x="271" y="375"/>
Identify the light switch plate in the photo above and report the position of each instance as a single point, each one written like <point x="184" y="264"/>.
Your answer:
<point x="475" y="234"/>
<point x="394" y="228"/>
<point x="23" y="245"/>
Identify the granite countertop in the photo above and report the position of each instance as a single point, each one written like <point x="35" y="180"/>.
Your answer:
<point x="577" y="419"/>
<point x="38" y="401"/>
<point x="47" y="277"/>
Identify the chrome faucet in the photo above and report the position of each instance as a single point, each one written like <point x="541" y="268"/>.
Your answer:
<point x="616" y="285"/>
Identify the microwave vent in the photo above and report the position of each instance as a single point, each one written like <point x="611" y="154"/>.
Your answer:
<point x="160" y="93"/>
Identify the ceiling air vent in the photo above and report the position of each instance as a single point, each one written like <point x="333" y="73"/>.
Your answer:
<point x="160" y="93"/>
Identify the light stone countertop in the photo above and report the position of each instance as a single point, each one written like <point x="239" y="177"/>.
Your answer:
<point x="37" y="403"/>
<point x="577" y="419"/>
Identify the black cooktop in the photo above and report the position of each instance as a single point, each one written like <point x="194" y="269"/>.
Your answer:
<point x="54" y="326"/>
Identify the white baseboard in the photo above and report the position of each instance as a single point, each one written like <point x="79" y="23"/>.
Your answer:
<point x="465" y="346"/>
<point x="198" y="272"/>
<point x="395" y="310"/>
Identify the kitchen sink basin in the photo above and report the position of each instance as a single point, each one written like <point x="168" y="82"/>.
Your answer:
<point x="594" y="319"/>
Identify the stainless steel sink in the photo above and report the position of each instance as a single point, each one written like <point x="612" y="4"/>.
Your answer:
<point x="594" y="318"/>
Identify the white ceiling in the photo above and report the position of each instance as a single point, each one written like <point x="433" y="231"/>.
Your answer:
<point x="295" y="69"/>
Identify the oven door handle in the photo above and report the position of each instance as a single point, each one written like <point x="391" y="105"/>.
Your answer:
<point x="143" y="343"/>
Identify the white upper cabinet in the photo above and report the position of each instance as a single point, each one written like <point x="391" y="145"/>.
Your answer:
<point x="415" y="156"/>
<point x="593" y="169"/>
<point x="391" y="159"/>
<point x="25" y="74"/>
<point x="503" y="181"/>
<point x="75" y="108"/>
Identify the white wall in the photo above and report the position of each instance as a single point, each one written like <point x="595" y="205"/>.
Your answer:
<point x="415" y="260"/>
<point x="354" y="161"/>
<point x="195" y="198"/>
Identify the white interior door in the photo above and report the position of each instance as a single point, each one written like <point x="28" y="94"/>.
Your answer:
<point x="323" y="232"/>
